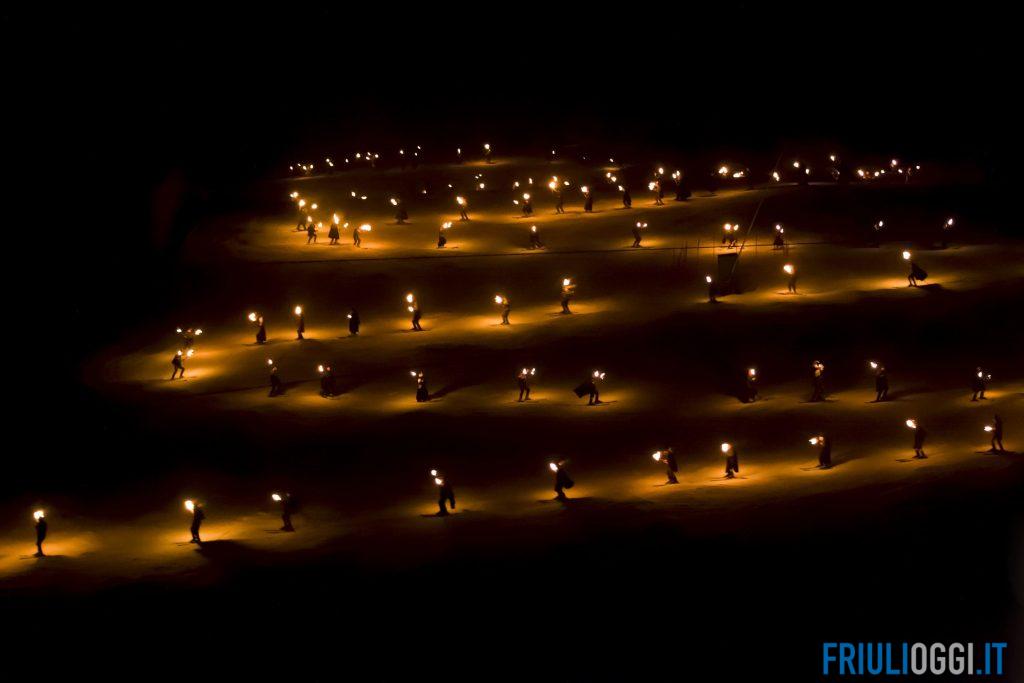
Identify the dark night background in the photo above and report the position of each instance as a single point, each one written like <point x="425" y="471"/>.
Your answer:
<point x="129" y="126"/>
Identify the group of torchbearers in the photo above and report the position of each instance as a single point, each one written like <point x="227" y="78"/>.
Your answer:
<point x="562" y="480"/>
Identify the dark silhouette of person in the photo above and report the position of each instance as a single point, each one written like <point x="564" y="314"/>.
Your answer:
<point x="568" y="291"/>
<point x="779" y="242"/>
<point x="311" y="233"/>
<point x="917" y="273"/>
<point x="334" y="233"/>
<point x="422" y="393"/>
<point x="276" y="386"/>
<point x="732" y="463"/>
<point x="752" y="394"/>
<point x="506" y="309"/>
<point x="588" y="202"/>
<point x="682" y="191"/>
<point x="997" y="436"/>
<point x="445" y="495"/>
<point x="463" y="210"/>
<point x="977" y="384"/>
<point x="535" y="242"/>
<point x="818" y="392"/>
<point x="523" y="380"/>
<point x="401" y="215"/>
<point x="353" y="322"/>
<point x="357" y="239"/>
<point x="177" y="365"/>
<point x="300" y="326"/>
<point x="711" y="290"/>
<point x="328" y="383"/>
<point x="562" y="480"/>
<point x="41" y="528"/>
<point x="442" y="239"/>
<point x="261" y="331"/>
<point x="825" y="452"/>
<point x="636" y="235"/>
<point x="197" y="521"/>
<point x="301" y="225"/>
<point x="627" y="199"/>
<point x="659" y="194"/>
<point x="414" y="308"/>
<point x="188" y="339"/>
<point x="589" y="389"/>
<point x="668" y="457"/>
<point x="559" y="201"/>
<point x="287" y="507"/>
<point x="791" y="284"/>
<point x="527" y="205"/>
<point x="919" y="437"/>
<point x="881" y="384"/>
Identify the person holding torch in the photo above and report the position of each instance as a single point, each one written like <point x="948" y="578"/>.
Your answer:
<point x="300" y="324"/>
<point x="413" y="306"/>
<point x="917" y="273"/>
<point x="627" y="199"/>
<point x="818" y="391"/>
<point x="328" y="384"/>
<point x="978" y="384"/>
<point x="463" y="208"/>
<point x="589" y="388"/>
<point x="287" y="507"/>
<point x="535" y="242"/>
<point x="178" y="365"/>
<point x="919" y="438"/>
<point x="752" y="380"/>
<point x="41" y="528"/>
<point x="682" y="191"/>
<point x="445" y="493"/>
<point x="559" y="198"/>
<point x="996" y="429"/>
<point x="311" y="231"/>
<point x="524" y="380"/>
<point x="422" y="392"/>
<point x="824" y="450"/>
<point x="881" y="382"/>
<point x="197" y="519"/>
<point x="261" y="328"/>
<point x="790" y="270"/>
<point x="640" y="225"/>
<point x="568" y="292"/>
<point x="562" y="479"/>
<point x="711" y="289"/>
<point x="588" y="200"/>
<point x="401" y="215"/>
<point x="353" y="323"/>
<point x="732" y="460"/>
<point x="276" y="386"/>
<point x="667" y="458"/>
<point x="442" y="239"/>
<point x="506" y="307"/>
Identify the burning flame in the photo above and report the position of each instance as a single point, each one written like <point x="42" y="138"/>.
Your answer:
<point x="190" y="506"/>
<point x="38" y="515"/>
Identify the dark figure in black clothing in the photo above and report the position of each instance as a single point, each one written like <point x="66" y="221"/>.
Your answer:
<point x="559" y="201"/>
<point x="825" y="452"/>
<point x="300" y="325"/>
<point x="463" y="209"/>
<point x="818" y="392"/>
<point x="442" y="239"/>
<point x="177" y="365"/>
<point x="261" y="329"/>
<point x="682" y="191"/>
<point x="197" y="521"/>
<point x="997" y="436"/>
<point x="334" y="233"/>
<point x="445" y="494"/>
<point x="732" y="461"/>
<point x="535" y="242"/>
<point x="713" y="183"/>
<point x="711" y="289"/>
<point x="752" y="394"/>
<point x="328" y="384"/>
<point x="791" y="282"/>
<point x="636" y="234"/>
<point x="568" y="291"/>
<point x="589" y="388"/>
<point x="357" y="239"/>
<point x="506" y="308"/>
<point x="917" y="273"/>
<point x="881" y="384"/>
<point x="353" y="322"/>
<point x="524" y="380"/>
<point x="749" y="175"/>
<point x="287" y="507"/>
<point x="668" y="458"/>
<point x="919" y="437"/>
<point x="422" y="393"/>
<point x="417" y="314"/>
<point x="562" y="480"/>
<point x="527" y="205"/>
<point x="977" y="384"/>
<point x="588" y="202"/>
<point x="311" y="233"/>
<point x="627" y="199"/>
<point x="779" y="242"/>
<point x="401" y="215"/>
<point x="276" y="386"/>
<point x="41" y="529"/>
<point x="659" y="194"/>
